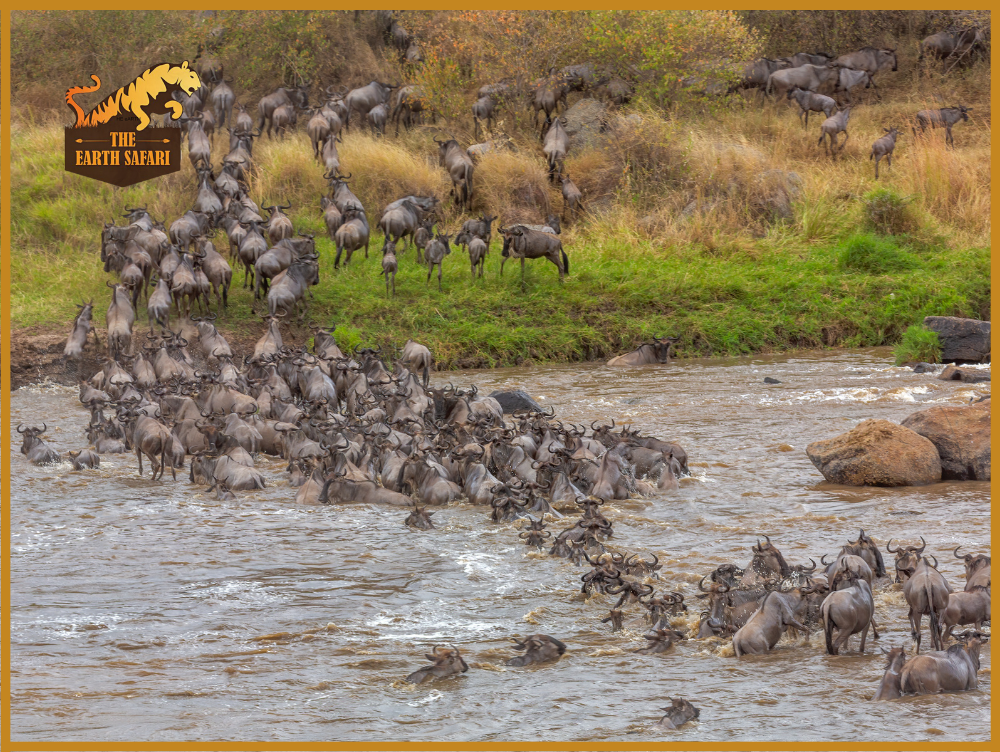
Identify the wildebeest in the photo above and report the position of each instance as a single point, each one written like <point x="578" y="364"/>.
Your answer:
<point x="648" y="353"/>
<point x="870" y="59"/>
<point x="807" y="58"/>
<point x="765" y="627"/>
<point x="831" y="127"/>
<point x="318" y="128"/>
<point x="417" y="357"/>
<point x="555" y="147"/>
<point x="419" y="518"/>
<point x="966" y="607"/>
<point x="82" y="326"/>
<point x="953" y="670"/>
<point x="539" y="648"/>
<point x="119" y="318"/>
<point x="447" y="662"/>
<point x="945" y="118"/>
<point x="572" y="198"/>
<point x="977" y="569"/>
<point x="810" y="101"/>
<point x="377" y="118"/>
<point x="947" y="44"/>
<point x="906" y="558"/>
<point x="460" y="169"/>
<point x="883" y="147"/>
<point x="434" y="255"/>
<point x="522" y="243"/>
<point x="926" y="593"/>
<point x="283" y="96"/>
<point x="678" y="713"/>
<point x="849" y="611"/>
<point x="477" y="255"/>
<point x="756" y="73"/>
<point x="482" y="110"/>
<point x="390" y="266"/>
<point x="660" y="640"/>
<point x="351" y="235"/>
<point x="807" y="77"/>
<point x="222" y="99"/>
<point x="35" y="448"/>
<point x="365" y="98"/>
<point x="848" y="79"/>
<point x="85" y="459"/>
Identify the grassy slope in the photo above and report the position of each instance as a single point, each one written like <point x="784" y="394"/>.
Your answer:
<point x="722" y="285"/>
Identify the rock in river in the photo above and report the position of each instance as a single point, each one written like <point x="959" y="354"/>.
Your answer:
<point x="962" y="340"/>
<point x="877" y="453"/>
<point x="961" y="435"/>
<point x="516" y="400"/>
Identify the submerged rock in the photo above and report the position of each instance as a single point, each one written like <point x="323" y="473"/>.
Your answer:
<point x="966" y="375"/>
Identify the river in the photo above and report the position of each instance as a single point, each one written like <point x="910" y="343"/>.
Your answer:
<point x="152" y="611"/>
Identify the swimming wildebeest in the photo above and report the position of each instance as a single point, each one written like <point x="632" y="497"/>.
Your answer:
<point x="657" y="351"/>
<point x="539" y="648"/>
<point x="447" y="662"/>
<point x="35" y="448"/>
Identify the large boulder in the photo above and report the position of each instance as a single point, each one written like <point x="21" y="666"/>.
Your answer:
<point x="877" y="453"/>
<point x="584" y="121"/>
<point x="961" y="435"/>
<point x="962" y="340"/>
<point x="516" y="399"/>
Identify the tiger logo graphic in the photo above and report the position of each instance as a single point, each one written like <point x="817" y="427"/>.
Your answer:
<point x="151" y="91"/>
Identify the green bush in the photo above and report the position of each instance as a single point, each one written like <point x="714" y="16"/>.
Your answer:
<point x="888" y="213"/>
<point x="872" y="254"/>
<point x="919" y="344"/>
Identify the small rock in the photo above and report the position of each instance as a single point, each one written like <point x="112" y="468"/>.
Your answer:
<point x="965" y="375"/>
<point x="769" y="380"/>
<point x="924" y="367"/>
<point x="516" y="399"/>
<point x="962" y="340"/>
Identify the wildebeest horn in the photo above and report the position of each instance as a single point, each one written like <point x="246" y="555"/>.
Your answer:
<point x="893" y="550"/>
<point x="921" y="549"/>
<point x="822" y="559"/>
<point x="701" y="584"/>
<point x="19" y="428"/>
<point x="932" y="556"/>
<point x="956" y="554"/>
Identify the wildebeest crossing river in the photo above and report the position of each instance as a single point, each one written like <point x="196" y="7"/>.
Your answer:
<point x="152" y="611"/>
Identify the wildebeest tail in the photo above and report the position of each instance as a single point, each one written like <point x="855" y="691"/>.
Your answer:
<point x="427" y="373"/>
<point x="935" y="628"/>
<point x="565" y="260"/>
<point x="828" y="632"/>
<point x="81" y="90"/>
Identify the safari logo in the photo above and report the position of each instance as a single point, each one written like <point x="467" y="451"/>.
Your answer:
<point x="114" y="142"/>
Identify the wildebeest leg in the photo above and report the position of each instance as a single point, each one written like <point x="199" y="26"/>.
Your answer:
<point x="336" y="261"/>
<point x="844" y="143"/>
<point x="440" y="269"/>
<point x="874" y="629"/>
<point x="876" y="166"/>
<point x="522" y="272"/>
<point x="430" y="271"/>
<point x="864" y="635"/>
<point x="366" y="249"/>
<point x="138" y="456"/>
<point x="915" y="620"/>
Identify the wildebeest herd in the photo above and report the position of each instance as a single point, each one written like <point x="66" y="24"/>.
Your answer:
<point x="358" y="427"/>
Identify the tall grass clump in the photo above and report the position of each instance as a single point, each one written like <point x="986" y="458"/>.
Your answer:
<point x="919" y="344"/>
<point x="888" y="213"/>
<point x="872" y="254"/>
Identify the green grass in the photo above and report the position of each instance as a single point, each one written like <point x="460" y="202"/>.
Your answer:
<point x="807" y="283"/>
<point x="919" y="344"/>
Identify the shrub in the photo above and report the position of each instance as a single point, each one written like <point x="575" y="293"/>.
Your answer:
<point x="919" y="344"/>
<point x="888" y="213"/>
<point x="872" y="254"/>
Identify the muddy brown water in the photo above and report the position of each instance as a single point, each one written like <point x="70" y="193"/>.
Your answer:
<point x="152" y="611"/>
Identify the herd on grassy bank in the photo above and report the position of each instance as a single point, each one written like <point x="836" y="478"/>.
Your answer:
<point x="727" y="227"/>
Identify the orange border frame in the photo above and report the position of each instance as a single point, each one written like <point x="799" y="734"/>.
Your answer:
<point x="5" y="463"/>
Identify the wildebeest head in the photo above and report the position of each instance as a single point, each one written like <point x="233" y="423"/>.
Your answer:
<point x="768" y="559"/>
<point x="973" y="562"/>
<point x="447" y="662"/>
<point x="868" y="550"/>
<point x="907" y="558"/>
<point x="678" y="713"/>
<point x="31" y="436"/>
<point x="419" y="518"/>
